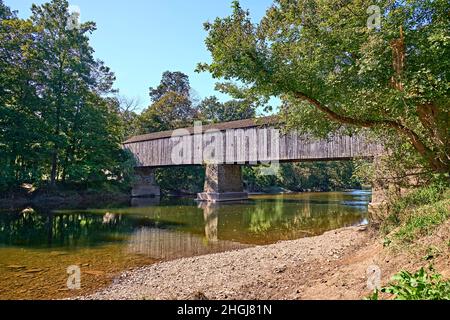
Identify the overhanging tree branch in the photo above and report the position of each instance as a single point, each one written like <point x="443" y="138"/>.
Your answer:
<point x="417" y="143"/>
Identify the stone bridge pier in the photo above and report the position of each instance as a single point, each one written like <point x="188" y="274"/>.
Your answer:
<point x="145" y="184"/>
<point x="223" y="182"/>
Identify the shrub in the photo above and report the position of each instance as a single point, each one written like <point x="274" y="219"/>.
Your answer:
<point x="418" y="286"/>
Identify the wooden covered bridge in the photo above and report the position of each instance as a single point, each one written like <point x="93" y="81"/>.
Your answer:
<point x="224" y="147"/>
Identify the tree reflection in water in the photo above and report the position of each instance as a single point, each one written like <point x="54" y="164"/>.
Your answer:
<point x="32" y="228"/>
<point x="153" y="226"/>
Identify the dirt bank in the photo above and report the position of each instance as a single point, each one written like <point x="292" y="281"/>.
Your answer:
<point x="331" y="266"/>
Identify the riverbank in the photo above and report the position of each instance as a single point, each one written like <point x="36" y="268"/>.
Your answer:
<point x="67" y="199"/>
<point x="330" y="266"/>
<point x="285" y="270"/>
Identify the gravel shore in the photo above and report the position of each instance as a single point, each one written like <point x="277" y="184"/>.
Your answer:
<point x="262" y="272"/>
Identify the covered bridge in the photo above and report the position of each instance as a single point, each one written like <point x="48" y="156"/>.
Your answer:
<point x="224" y="147"/>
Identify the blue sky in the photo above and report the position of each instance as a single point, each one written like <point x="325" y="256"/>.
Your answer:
<point x="140" y="39"/>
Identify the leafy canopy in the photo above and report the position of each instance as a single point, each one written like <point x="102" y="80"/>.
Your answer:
<point x="331" y="70"/>
<point x="57" y="123"/>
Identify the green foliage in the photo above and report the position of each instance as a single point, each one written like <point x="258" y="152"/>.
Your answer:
<point x="213" y="111"/>
<point x="323" y="176"/>
<point x="254" y="181"/>
<point x="175" y="82"/>
<point x="189" y="180"/>
<point x="172" y="106"/>
<point x="307" y="176"/>
<point x="391" y="222"/>
<point x="364" y="172"/>
<point x="423" y="221"/>
<point x="374" y="296"/>
<point x="418" y="286"/>
<point x="57" y="123"/>
<point x="172" y="111"/>
<point x="332" y="72"/>
<point x="425" y="195"/>
<point x="417" y="213"/>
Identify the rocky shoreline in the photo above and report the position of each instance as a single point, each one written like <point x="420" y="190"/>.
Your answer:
<point x="262" y="272"/>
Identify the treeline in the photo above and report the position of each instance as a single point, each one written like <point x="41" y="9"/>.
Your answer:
<point x="306" y="176"/>
<point x="62" y="122"/>
<point x="58" y="120"/>
<point x="174" y="106"/>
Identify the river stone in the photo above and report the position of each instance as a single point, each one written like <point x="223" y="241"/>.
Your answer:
<point x="33" y="271"/>
<point x="280" y="269"/>
<point x="16" y="267"/>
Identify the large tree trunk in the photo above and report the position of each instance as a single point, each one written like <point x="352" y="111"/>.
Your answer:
<point x="54" y="168"/>
<point x="436" y="122"/>
<point x="59" y="103"/>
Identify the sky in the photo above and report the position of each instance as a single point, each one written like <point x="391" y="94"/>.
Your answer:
<point x="140" y="39"/>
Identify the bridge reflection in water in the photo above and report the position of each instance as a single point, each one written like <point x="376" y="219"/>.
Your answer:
<point x="164" y="244"/>
<point x="186" y="230"/>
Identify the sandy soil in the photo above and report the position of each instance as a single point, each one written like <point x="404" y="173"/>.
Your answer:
<point x="331" y="266"/>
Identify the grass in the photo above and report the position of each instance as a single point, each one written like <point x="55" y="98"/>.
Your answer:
<point x="412" y="217"/>
<point x="423" y="196"/>
<point x="417" y="214"/>
<point x="423" y="221"/>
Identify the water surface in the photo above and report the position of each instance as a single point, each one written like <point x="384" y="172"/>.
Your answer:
<point x="37" y="245"/>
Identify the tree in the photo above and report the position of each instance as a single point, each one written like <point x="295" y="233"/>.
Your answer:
<point x="171" y="111"/>
<point x="176" y="82"/>
<point x="128" y="108"/>
<point x="172" y="106"/>
<point x="212" y="110"/>
<point x="21" y="127"/>
<point x="56" y="121"/>
<point x="5" y="11"/>
<point x="331" y="70"/>
<point x="68" y="74"/>
<point x="318" y="176"/>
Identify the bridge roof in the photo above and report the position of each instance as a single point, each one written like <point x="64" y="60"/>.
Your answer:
<point x="223" y="126"/>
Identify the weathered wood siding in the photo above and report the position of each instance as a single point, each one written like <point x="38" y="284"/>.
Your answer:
<point x="248" y="145"/>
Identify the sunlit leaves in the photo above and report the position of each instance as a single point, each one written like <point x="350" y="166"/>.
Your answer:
<point x="54" y="116"/>
<point x="325" y="51"/>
